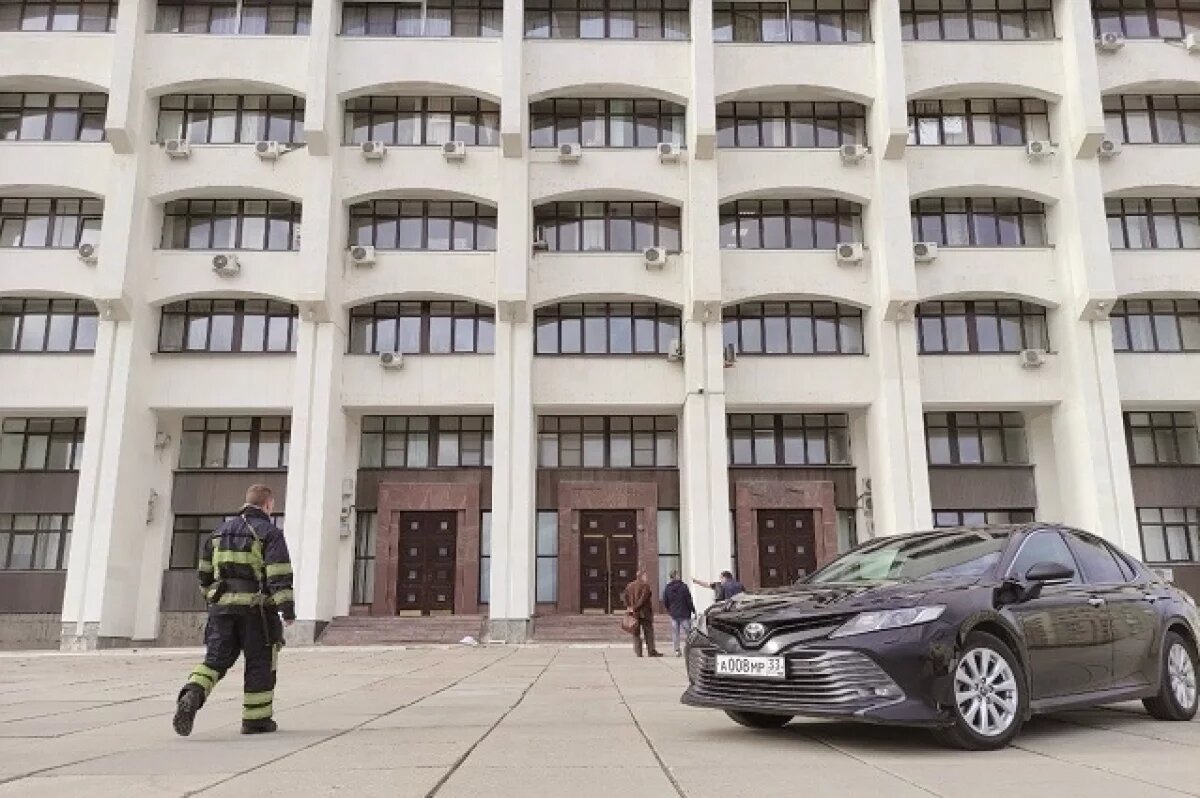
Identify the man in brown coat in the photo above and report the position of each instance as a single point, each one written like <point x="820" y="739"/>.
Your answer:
<point x="639" y="602"/>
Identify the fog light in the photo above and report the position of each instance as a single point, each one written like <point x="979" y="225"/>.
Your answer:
<point x="887" y="692"/>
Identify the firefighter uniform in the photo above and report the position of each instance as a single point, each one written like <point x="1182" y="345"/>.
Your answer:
<point x="246" y="578"/>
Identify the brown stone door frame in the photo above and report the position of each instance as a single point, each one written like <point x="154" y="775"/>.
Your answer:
<point x="400" y="497"/>
<point x="750" y="496"/>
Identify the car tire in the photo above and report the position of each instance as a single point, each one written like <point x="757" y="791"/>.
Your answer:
<point x="759" y="720"/>
<point x="1177" y="693"/>
<point x="983" y="722"/>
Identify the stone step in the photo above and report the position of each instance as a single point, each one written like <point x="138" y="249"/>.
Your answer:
<point x="590" y="629"/>
<point x="369" y="631"/>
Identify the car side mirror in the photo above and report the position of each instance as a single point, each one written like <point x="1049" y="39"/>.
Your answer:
<point x="1016" y="590"/>
<point x="1049" y="573"/>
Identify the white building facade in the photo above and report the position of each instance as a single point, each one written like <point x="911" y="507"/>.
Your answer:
<point x="897" y="264"/>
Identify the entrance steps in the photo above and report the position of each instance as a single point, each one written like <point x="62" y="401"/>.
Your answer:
<point x="594" y="629"/>
<point x="361" y="630"/>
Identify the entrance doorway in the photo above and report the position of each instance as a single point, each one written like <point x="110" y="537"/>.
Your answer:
<point x="787" y="546"/>
<point x="425" y="578"/>
<point x="608" y="559"/>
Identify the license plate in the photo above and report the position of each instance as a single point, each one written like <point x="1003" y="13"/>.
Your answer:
<point x="751" y="667"/>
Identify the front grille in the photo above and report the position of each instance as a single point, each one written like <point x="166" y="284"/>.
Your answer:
<point x="818" y="682"/>
<point x="804" y="624"/>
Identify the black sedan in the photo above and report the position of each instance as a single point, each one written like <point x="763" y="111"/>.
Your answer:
<point x="965" y="631"/>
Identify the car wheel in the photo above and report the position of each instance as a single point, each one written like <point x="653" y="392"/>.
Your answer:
<point x="990" y="696"/>
<point x="759" y="720"/>
<point x="1176" y="699"/>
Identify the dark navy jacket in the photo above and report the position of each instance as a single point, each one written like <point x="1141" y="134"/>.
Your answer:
<point x="678" y="600"/>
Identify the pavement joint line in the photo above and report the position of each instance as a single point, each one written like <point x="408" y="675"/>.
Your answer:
<point x="834" y="747"/>
<point x="1088" y="766"/>
<point x="349" y="729"/>
<point x="458" y="763"/>
<point x="666" y="771"/>
<point x="35" y="773"/>
<point x="1081" y="724"/>
<point x="77" y="711"/>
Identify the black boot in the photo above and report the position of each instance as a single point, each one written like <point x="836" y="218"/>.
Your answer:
<point x="191" y="698"/>
<point x="264" y="726"/>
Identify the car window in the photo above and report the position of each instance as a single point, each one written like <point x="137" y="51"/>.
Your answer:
<point x="1127" y="569"/>
<point x="933" y="555"/>
<point x="1043" y="547"/>
<point x="1098" y="563"/>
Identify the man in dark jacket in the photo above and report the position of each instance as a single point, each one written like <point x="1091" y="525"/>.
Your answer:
<point x="727" y="588"/>
<point x="677" y="598"/>
<point x="246" y="578"/>
<point x="639" y="602"/>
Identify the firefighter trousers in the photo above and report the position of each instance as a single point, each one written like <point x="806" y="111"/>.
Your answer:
<point x="228" y="635"/>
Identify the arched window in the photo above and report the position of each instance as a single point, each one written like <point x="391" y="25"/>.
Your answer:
<point x="228" y="325"/>
<point x="980" y="326"/>
<point x="52" y="116"/>
<point x="791" y="124"/>
<point x="790" y="224"/>
<point x="425" y="328"/>
<point x="231" y="224"/>
<point x="608" y="226"/>
<point x="431" y="225"/>
<point x="794" y="328"/>
<point x="639" y="123"/>
<point x="47" y="325"/>
<point x="979" y="221"/>
<point x="606" y="328"/>
<point x="415" y="121"/>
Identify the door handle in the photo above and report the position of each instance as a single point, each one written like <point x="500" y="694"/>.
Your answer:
<point x="1096" y="601"/>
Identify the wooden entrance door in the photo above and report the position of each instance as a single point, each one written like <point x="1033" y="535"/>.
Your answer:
<point x="608" y="559"/>
<point x="787" y="546"/>
<point x="425" y="578"/>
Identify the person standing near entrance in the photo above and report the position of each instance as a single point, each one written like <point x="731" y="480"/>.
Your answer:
<point x="678" y="601"/>
<point x="246" y="577"/>
<point x="727" y="588"/>
<point x="639" y="602"/>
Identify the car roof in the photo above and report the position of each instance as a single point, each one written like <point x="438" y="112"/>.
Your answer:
<point x="997" y="530"/>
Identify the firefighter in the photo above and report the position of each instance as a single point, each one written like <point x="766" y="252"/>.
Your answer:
<point x="246" y="578"/>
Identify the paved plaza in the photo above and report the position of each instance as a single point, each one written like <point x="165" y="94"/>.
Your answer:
<point x="517" y="721"/>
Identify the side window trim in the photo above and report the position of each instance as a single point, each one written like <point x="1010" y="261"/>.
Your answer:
<point x="1075" y="538"/>
<point x="1070" y="552"/>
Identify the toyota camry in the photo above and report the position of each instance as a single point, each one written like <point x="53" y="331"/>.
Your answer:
<point x="967" y="632"/>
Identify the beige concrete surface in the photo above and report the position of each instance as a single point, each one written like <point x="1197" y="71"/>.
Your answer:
<point x="518" y="721"/>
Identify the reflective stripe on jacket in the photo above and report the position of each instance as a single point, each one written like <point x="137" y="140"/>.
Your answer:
<point x="245" y="563"/>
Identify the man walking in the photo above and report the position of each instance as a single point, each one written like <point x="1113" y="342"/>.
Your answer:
<point x="727" y="588"/>
<point x="246" y="577"/>
<point x="639" y="602"/>
<point x="678" y="601"/>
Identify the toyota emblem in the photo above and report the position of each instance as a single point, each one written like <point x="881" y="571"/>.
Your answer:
<point x="753" y="632"/>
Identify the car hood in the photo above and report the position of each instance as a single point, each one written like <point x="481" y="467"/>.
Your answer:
<point x="830" y="599"/>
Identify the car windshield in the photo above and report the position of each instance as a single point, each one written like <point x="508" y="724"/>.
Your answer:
<point x="930" y="556"/>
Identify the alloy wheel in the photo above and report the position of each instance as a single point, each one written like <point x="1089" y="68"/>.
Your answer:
<point x="985" y="692"/>
<point x="1182" y="674"/>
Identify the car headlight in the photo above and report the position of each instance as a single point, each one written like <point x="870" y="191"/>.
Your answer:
<point x="879" y="620"/>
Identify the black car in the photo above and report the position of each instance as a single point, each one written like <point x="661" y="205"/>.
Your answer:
<point x="966" y="631"/>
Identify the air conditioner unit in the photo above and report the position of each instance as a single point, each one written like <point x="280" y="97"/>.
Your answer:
<point x="268" y="150"/>
<point x="729" y="356"/>
<point x="226" y="265"/>
<point x="87" y="253"/>
<point x="669" y="152"/>
<point x="1039" y="149"/>
<point x="1109" y="148"/>
<point x="391" y="360"/>
<point x="925" y="251"/>
<point x="1110" y="42"/>
<point x="849" y="252"/>
<point x="675" y="350"/>
<point x="654" y="257"/>
<point x="373" y="150"/>
<point x="852" y="153"/>
<point x="1191" y="42"/>
<point x="1033" y="358"/>
<point x="454" y="150"/>
<point x="362" y="255"/>
<point x="178" y="148"/>
<point x="569" y="153"/>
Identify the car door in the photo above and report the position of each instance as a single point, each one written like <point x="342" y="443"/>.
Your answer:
<point x="1131" y="611"/>
<point x="1066" y="628"/>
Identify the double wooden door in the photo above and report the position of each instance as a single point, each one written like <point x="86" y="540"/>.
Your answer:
<point x="787" y="546"/>
<point x="608" y="559"/>
<point x="425" y="578"/>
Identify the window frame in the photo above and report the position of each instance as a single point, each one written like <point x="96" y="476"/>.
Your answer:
<point x="45" y="526"/>
<point x="570" y="114"/>
<point x="485" y="10"/>
<point x="734" y="118"/>
<point x="738" y="216"/>
<point x="300" y="22"/>
<point x="974" y="213"/>
<point x="972" y="117"/>
<point x="386" y="314"/>
<point x="483" y="119"/>
<point x="366" y="541"/>
<point x="74" y="7"/>
<point x="1169" y="423"/>
<point x="63" y="431"/>
<point x="1029" y="316"/>
<point x="387" y="429"/>
<point x="778" y="426"/>
<point x="656" y="430"/>
<point x="89" y="109"/>
<point x="1118" y="211"/>
<point x="559" y="216"/>
<point x="909" y="27"/>
<point x="1122" y="317"/>
<point x="737" y="318"/>
<point x="199" y="528"/>
<point x="480" y="216"/>
<point x="794" y="15"/>
<point x="1115" y="18"/>
<point x="660" y="317"/>
<point x="193" y="311"/>
<point x="1003" y="515"/>
<point x="87" y="220"/>
<point x="82" y="312"/>
<point x="1117" y="114"/>
<point x="1189" y="525"/>
<point x="192" y="213"/>
<point x="213" y="428"/>
<point x="957" y="428"/>
<point x="554" y="16"/>
<point x="192" y="113"/>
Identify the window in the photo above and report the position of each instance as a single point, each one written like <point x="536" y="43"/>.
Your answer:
<point x="249" y="17"/>
<point x="1100" y="564"/>
<point x="258" y="443"/>
<point x="1156" y="325"/>
<point x="228" y="325"/>
<point x="52" y="117"/>
<point x="607" y="19"/>
<point x="803" y="125"/>
<point x="980" y="326"/>
<point x="794" y="328"/>
<point x="422" y="328"/>
<point x="847" y="530"/>
<point x="426" y="442"/>
<point x="41" y="223"/>
<point x="363" y="586"/>
<point x="986" y="20"/>
<point x="607" y="442"/>
<point x="795" y="21"/>
<point x="945" y="518"/>
<point x="231" y="118"/>
<point x="485" y="557"/>
<point x="606" y="328"/>
<point x="606" y="123"/>
<point x="35" y="542"/>
<point x="547" y="557"/>
<point x="41" y="444"/>
<point x="414" y="121"/>
<point x="790" y="224"/>
<point x="58" y="15"/>
<point x="979" y="221"/>
<point x="47" y="325"/>
<point x="188" y="534"/>
<point x="793" y="439"/>
<point x="1162" y="438"/>
<point x="429" y="225"/>
<point x="670" y="555"/>
<point x="1153" y="119"/>
<point x="231" y="224"/>
<point x="1139" y="19"/>
<point x="975" y="438"/>
<point x="1162" y="223"/>
<point x="1044" y="547"/>
<point x="434" y="18"/>
<point x="1170" y="534"/>
<point x="1001" y="122"/>
<point x="608" y="226"/>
